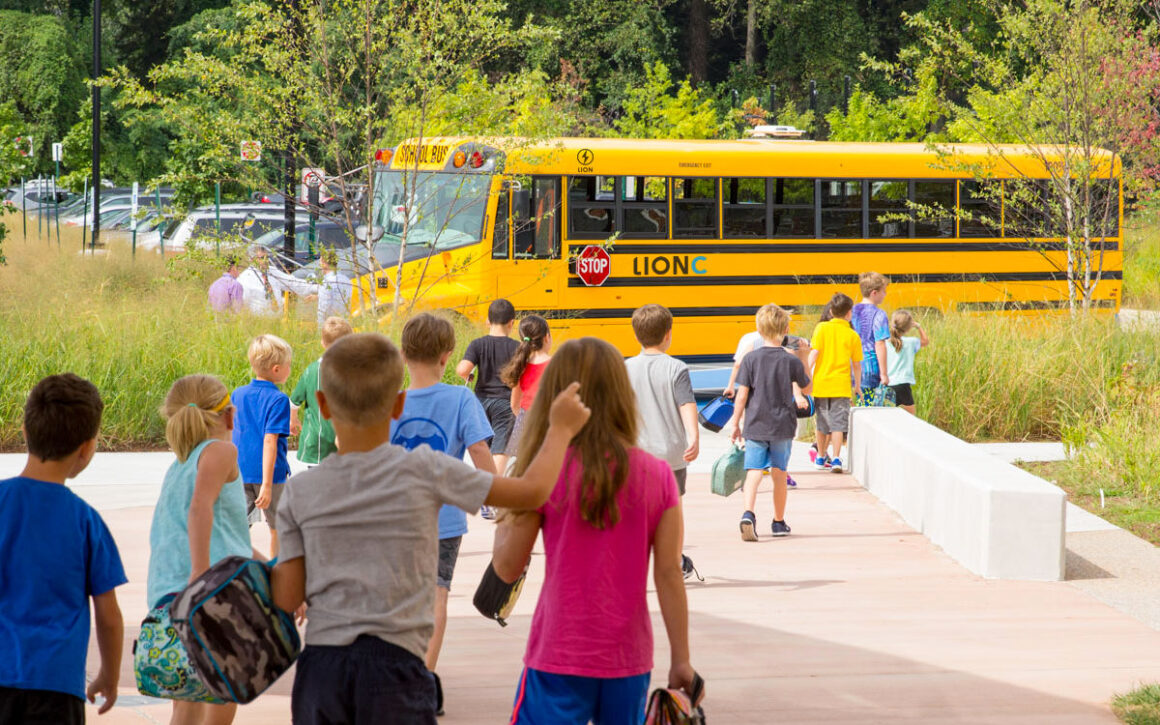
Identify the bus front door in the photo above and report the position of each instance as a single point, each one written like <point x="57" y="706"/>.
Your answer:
<point x="531" y="277"/>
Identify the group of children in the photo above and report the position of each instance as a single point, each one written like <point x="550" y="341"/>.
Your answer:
<point x="600" y="444"/>
<point x="853" y="353"/>
<point x="601" y="487"/>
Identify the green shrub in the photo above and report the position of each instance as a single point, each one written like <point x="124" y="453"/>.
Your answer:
<point x="1140" y="706"/>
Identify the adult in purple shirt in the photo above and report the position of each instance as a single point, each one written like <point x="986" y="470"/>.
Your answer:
<point x="225" y="294"/>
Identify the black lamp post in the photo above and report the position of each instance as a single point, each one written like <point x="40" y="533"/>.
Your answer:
<point x="96" y="122"/>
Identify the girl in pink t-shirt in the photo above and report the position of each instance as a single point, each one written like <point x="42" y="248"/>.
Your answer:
<point x="523" y="371"/>
<point x="590" y="648"/>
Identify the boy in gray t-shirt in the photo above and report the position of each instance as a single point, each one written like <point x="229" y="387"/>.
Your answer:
<point x="373" y="616"/>
<point x="664" y="397"/>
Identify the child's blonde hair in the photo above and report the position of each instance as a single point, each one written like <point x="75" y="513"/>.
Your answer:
<point x="603" y="443"/>
<point x="361" y="376"/>
<point x="872" y="282"/>
<point x="193" y="406"/>
<point x="266" y="351"/>
<point x="772" y="322"/>
<point x="900" y="323"/>
<point x="334" y="328"/>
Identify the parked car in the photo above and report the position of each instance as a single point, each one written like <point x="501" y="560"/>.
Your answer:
<point x="328" y="235"/>
<point x="245" y="219"/>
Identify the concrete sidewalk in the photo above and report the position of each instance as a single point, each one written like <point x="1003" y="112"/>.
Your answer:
<point x="854" y="618"/>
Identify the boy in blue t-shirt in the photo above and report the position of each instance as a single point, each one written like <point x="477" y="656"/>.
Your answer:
<point x="261" y="426"/>
<point x="870" y="322"/>
<point x="450" y="419"/>
<point x="55" y="553"/>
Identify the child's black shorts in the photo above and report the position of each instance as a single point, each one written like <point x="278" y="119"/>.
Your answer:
<point x="361" y="684"/>
<point x="903" y="395"/>
<point x="500" y="416"/>
<point x="40" y="707"/>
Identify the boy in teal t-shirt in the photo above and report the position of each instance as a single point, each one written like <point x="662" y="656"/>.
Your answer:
<point x="315" y="433"/>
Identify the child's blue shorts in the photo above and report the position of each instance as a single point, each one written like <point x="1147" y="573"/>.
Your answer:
<point x="763" y="455"/>
<point x="547" y="699"/>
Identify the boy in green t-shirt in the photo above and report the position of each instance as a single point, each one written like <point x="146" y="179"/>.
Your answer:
<point x="315" y="433"/>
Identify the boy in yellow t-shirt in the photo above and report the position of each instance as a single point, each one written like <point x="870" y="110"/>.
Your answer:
<point x="836" y="355"/>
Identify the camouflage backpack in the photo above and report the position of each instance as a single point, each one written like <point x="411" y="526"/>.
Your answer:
<point x="238" y="641"/>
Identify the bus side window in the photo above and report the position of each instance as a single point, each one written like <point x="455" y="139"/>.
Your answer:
<point x="695" y="208"/>
<point x="500" y="238"/>
<point x="591" y="206"/>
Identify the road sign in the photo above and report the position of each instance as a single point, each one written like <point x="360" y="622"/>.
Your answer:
<point x="251" y="150"/>
<point x="593" y="265"/>
<point x="314" y="177"/>
<point x="58" y="152"/>
<point x="20" y="145"/>
<point x="133" y="208"/>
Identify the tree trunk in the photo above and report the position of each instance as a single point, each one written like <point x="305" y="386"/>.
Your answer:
<point x="698" y="37"/>
<point x="751" y="35"/>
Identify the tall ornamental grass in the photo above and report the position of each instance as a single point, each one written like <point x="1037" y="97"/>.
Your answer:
<point x="1026" y="377"/>
<point x="126" y="325"/>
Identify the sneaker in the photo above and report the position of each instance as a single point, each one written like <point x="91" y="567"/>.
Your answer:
<point x="690" y="570"/>
<point x="836" y="465"/>
<point x="487" y="512"/>
<point x="789" y="481"/>
<point x="780" y="528"/>
<point x="813" y="452"/>
<point x="748" y="526"/>
<point x="822" y="462"/>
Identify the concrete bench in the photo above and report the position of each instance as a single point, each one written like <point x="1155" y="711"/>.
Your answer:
<point x="996" y="520"/>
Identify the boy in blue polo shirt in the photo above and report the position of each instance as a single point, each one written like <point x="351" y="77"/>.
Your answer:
<point x="450" y="419"/>
<point x="261" y="426"/>
<point x="56" y="553"/>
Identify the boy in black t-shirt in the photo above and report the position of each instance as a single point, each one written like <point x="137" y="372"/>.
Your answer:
<point x="770" y="382"/>
<point x="490" y="354"/>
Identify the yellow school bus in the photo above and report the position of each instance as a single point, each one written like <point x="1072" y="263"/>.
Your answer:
<point x="584" y="231"/>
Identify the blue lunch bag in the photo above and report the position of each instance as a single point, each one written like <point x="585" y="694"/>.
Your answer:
<point x="716" y="414"/>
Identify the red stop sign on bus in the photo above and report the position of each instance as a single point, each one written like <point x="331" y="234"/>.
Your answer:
<point x="593" y="265"/>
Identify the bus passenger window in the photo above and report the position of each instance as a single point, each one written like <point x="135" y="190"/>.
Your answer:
<point x="1029" y="211"/>
<point x="591" y="206"/>
<point x="793" y="208"/>
<point x="888" y="199"/>
<point x="935" y="212"/>
<point x="695" y="208"/>
<point x="842" y="209"/>
<point x="744" y="211"/>
<point x="645" y="208"/>
<point x="499" y="240"/>
<point x="979" y="204"/>
<point x="1105" y="207"/>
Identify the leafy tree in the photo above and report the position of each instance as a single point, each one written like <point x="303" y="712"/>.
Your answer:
<point x="664" y="109"/>
<point x="1049" y="82"/>
<point x="43" y="76"/>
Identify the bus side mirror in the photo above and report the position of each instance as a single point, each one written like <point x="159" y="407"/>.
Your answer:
<point x="525" y="234"/>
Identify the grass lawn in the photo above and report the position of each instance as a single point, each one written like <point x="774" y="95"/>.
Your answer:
<point x="1135" y="511"/>
<point x="1140" y="706"/>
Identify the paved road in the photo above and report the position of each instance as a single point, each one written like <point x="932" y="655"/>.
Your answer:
<point x="855" y="618"/>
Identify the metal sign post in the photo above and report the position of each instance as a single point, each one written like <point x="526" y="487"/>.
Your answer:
<point x="85" y="217"/>
<point x="133" y="218"/>
<point x="57" y="154"/>
<point x="160" y="227"/>
<point x="24" y="205"/>
<point x="217" y="213"/>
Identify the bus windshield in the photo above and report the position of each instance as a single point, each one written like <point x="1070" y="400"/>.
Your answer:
<point x="441" y="210"/>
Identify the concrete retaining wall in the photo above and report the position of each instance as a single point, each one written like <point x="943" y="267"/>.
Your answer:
<point x="993" y="518"/>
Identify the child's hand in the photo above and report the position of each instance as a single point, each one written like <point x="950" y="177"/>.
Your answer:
<point x="802" y="402"/>
<point x="692" y="452"/>
<point x="295" y="426"/>
<point x="568" y="411"/>
<point x="734" y="432"/>
<point x="681" y="678"/>
<point x="728" y="392"/>
<point x="106" y="687"/>
<point x="300" y="614"/>
<point x="264" y="493"/>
